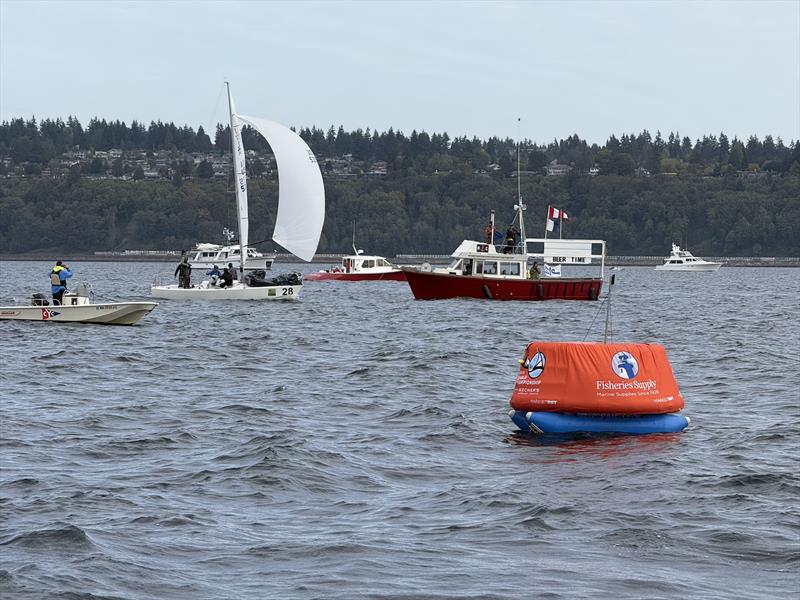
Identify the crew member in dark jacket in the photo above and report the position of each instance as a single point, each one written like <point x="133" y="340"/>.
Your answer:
<point x="227" y="277"/>
<point x="184" y="272"/>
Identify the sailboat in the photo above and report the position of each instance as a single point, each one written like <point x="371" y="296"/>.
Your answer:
<point x="298" y="226"/>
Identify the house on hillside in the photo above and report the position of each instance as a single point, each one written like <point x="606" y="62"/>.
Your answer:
<point x="556" y="169"/>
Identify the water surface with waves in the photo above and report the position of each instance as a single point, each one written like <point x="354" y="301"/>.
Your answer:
<point x="356" y="444"/>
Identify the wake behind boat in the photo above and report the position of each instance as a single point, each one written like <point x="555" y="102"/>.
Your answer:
<point x="683" y="260"/>
<point x="298" y="226"/>
<point x="77" y="308"/>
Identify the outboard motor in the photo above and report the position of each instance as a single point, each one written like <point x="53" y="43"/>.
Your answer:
<point x="39" y="300"/>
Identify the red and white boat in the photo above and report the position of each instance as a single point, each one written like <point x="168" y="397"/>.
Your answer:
<point x="502" y="272"/>
<point x="360" y="267"/>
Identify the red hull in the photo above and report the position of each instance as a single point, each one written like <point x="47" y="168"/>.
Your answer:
<point x="438" y="286"/>
<point x="327" y="276"/>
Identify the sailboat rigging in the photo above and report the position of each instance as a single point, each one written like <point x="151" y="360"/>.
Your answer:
<point x="298" y="226"/>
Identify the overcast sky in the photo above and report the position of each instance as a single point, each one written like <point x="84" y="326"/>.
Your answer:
<point x="465" y="68"/>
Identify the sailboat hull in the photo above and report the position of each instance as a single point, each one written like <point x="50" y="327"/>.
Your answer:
<point x="235" y="292"/>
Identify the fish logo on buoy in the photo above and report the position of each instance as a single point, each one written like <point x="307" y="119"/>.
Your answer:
<point x="535" y="365"/>
<point x="624" y="365"/>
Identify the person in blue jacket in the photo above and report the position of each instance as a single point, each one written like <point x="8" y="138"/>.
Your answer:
<point x="215" y="274"/>
<point x="58" y="281"/>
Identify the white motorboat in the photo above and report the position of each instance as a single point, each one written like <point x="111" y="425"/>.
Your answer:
<point x="683" y="260"/>
<point x="77" y="308"/>
<point x="206" y="256"/>
<point x="298" y="226"/>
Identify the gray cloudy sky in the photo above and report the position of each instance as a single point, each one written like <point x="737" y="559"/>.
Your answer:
<point x="467" y="68"/>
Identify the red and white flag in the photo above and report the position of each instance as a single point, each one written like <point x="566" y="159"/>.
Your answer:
<point x="554" y="215"/>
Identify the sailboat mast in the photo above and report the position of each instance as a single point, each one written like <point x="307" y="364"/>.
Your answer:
<point x="240" y="179"/>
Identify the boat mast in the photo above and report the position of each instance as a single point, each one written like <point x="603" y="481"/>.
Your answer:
<point x="240" y="180"/>
<point x="520" y="206"/>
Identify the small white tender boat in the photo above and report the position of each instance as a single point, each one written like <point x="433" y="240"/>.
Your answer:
<point x="683" y="260"/>
<point x="78" y="309"/>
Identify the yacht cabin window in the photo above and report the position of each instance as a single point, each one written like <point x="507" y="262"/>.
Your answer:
<point x="490" y="268"/>
<point x="368" y="264"/>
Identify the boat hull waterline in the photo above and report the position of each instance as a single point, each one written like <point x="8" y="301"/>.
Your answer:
<point x="700" y="267"/>
<point x="111" y="313"/>
<point x="234" y="292"/>
<point x="440" y="286"/>
<point x="328" y="276"/>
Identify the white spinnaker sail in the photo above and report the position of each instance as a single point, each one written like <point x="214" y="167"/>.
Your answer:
<point x="301" y="193"/>
<point x="240" y="177"/>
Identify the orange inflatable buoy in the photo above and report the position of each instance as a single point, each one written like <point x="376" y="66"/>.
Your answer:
<point x="596" y="378"/>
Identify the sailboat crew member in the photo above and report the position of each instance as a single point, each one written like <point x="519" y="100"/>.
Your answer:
<point x="184" y="271"/>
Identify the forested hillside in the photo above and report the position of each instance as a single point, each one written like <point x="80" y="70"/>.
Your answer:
<point x="424" y="214"/>
<point x="419" y="194"/>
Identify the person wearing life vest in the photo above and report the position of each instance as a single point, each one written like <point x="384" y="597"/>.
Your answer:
<point x="534" y="271"/>
<point x="58" y="281"/>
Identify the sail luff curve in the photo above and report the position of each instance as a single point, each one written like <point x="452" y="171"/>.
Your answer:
<point x="301" y="193"/>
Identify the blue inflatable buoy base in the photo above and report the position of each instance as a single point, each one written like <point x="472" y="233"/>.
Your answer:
<point x="554" y="422"/>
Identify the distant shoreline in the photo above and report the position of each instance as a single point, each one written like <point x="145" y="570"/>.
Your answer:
<point x="403" y="259"/>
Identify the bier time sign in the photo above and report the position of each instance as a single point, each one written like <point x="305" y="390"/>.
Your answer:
<point x="567" y="252"/>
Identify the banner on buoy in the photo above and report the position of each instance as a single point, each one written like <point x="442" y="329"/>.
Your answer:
<point x="580" y="377"/>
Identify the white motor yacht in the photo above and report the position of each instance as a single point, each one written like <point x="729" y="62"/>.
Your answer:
<point x="683" y="260"/>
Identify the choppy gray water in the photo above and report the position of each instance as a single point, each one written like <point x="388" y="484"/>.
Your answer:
<point x="356" y="444"/>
